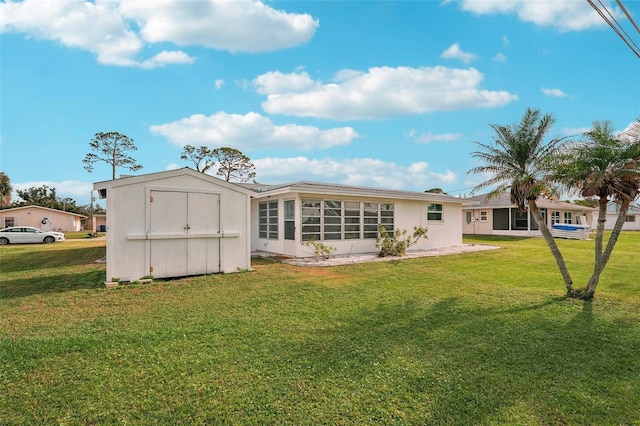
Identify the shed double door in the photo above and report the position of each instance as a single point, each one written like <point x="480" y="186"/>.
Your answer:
<point x="184" y="233"/>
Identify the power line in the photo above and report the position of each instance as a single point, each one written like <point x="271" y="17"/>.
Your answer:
<point x="617" y="28"/>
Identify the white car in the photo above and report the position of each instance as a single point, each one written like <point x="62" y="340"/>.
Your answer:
<point x="28" y="234"/>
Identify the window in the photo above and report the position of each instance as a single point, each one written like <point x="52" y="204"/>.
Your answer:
<point x="567" y="217"/>
<point x="484" y="216"/>
<point x="311" y="220"/>
<point x="268" y="220"/>
<point x="519" y="220"/>
<point x="370" y="220"/>
<point x="630" y="218"/>
<point x="386" y="217"/>
<point x="344" y="220"/>
<point x="289" y="219"/>
<point x="9" y="221"/>
<point x="332" y="220"/>
<point x="351" y="220"/>
<point x="434" y="212"/>
<point x="468" y="217"/>
<point x="555" y="217"/>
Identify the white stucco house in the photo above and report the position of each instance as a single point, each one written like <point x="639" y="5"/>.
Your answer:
<point x="284" y="217"/>
<point x="183" y="222"/>
<point x="175" y="223"/>
<point x="498" y="216"/>
<point x="41" y="217"/>
<point x="632" y="219"/>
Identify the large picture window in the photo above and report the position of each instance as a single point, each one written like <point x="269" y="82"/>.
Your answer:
<point x="268" y="220"/>
<point x="434" y="212"/>
<point x="326" y="220"/>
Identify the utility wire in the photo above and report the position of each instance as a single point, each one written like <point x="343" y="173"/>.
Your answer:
<point x="630" y="43"/>
<point x="629" y="17"/>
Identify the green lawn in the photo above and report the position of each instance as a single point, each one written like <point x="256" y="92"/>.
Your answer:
<point x="470" y="339"/>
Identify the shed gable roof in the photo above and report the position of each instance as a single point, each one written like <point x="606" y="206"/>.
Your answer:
<point x="102" y="187"/>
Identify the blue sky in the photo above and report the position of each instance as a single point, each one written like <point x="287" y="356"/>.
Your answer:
<point x="386" y="94"/>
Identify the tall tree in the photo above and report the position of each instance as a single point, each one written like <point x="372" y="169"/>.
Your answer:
<point x="202" y="157"/>
<point x="518" y="161"/>
<point x="606" y="166"/>
<point x="6" y="190"/>
<point x="111" y="148"/>
<point x="233" y="164"/>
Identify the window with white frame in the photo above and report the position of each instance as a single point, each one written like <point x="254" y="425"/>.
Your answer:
<point x="311" y="215"/>
<point x="630" y="218"/>
<point x="9" y="221"/>
<point x="352" y="220"/>
<point x="268" y="220"/>
<point x="567" y="217"/>
<point x="484" y="216"/>
<point x="434" y="212"/>
<point x="344" y="220"/>
<point x="555" y="217"/>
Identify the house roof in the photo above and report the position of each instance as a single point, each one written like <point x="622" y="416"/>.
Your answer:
<point x="317" y="188"/>
<point x="504" y="200"/>
<point x="613" y="208"/>
<point x="41" y="208"/>
<point x="102" y="187"/>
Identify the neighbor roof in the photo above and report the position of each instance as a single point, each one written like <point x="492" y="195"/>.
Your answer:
<point x="613" y="208"/>
<point x="504" y="200"/>
<point x="41" y="208"/>
<point x="317" y="188"/>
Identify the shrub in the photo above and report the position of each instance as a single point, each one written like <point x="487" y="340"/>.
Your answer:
<point x="319" y="249"/>
<point x="396" y="244"/>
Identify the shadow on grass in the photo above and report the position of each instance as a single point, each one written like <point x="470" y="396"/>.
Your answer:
<point x="27" y="260"/>
<point x="465" y="365"/>
<point x="23" y="287"/>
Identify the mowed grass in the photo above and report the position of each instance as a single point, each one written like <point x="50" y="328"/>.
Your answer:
<point x="477" y="338"/>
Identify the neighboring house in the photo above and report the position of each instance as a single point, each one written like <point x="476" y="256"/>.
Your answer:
<point x="175" y="223"/>
<point x="99" y="222"/>
<point x="284" y="217"/>
<point x="632" y="220"/>
<point x="41" y="217"/>
<point x="498" y="216"/>
<point x="183" y="222"/>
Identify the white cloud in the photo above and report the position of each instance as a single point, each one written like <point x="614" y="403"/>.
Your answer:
<point x="250" y="132"/>
<point x="430" y="137"/>
<point x="500" y="57"/>
<point x="218" y="84"/>
<point x="505" y="41"/>
<point x="563" y="15"/>
<point x="353" y="171"/>
<point x="117" y="31"/>
<point x="454" y="52"/>
<point x="380" y="92"/>
<point x="554" y="93"/>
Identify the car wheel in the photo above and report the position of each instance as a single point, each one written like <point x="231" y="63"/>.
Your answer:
<point x="4" y="241"/>
<point x="49" y="239"/>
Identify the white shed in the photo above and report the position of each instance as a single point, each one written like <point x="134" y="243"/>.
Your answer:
<point x="175" y="223"/>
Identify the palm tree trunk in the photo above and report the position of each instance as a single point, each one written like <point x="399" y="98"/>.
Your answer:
<point x="551" y="242"/>
<point x="602" y="257"/>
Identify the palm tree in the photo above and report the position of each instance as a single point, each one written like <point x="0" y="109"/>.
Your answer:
<point x="605" y="166"/>
<point x="518" y="161"/>
<point x="6" y="190"/>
